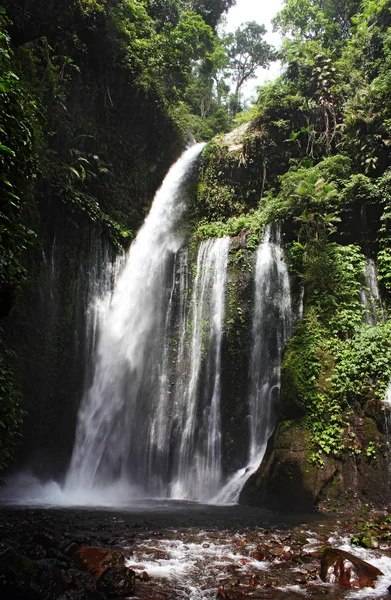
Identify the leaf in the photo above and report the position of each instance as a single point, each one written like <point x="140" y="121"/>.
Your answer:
<point x="7" y="150"/>
<point x="74" y="171"/>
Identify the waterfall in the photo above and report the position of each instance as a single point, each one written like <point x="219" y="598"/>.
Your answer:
<point x="103" y="274"/>
<point x="116" y="417"/>
<point x="270" y="331"/>
<point x="198" y="461"/>
<point x="370" y="295"/>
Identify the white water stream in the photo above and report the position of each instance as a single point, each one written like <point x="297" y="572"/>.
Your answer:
<point x="113" y="431"/>
<point x="370" y="295"/>
<point x="271" y="329"/>
<point x="198" y="461"/>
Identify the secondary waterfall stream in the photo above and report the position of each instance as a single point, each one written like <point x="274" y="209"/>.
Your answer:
<point x="271" y="329"/>
<point x="198" y="470"/>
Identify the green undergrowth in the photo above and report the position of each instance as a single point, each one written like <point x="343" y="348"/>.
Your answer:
<point x="11" y="413"/>
<point x="329" y="381"/>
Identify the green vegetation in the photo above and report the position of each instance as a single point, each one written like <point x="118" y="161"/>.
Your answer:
<point x="316" y="157"/>
<point x="96" y="97"/>
<point x="11" y="413"/>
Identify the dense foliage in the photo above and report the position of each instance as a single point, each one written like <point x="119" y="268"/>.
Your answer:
<point x="316" y="157"/>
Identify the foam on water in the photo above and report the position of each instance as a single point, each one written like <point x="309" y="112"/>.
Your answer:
<point x="377" y="560"/>
<point x="192" y="568"/>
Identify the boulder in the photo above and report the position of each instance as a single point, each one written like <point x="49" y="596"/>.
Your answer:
<point x="46" y="539"/>
<point x="343" y="568"/>
<point x="96" y="560"/>
<point x="116" y="582"/>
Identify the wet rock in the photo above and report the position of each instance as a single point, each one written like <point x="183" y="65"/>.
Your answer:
<point x="16" y="571"/>
<point x="311" y="569"/>
<point x="117" y="582"/>
<point x="69" y="548"/>
<point x="227" y="594"/>
<point x="76" y="579"/>
<point x="345" y="569"/>
<point x="35" y="551"/>
<point x="365" y="541"/>
<point x="46" y="539"/>
<point x="81" y="595"/>
<point x="47" y="580"/>
<point x="152" y="595"/>
<point x="143" y="576"/>
<point x="96" y="560"/>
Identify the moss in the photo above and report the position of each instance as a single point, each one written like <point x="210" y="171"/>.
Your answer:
<point x="231" y="181"/>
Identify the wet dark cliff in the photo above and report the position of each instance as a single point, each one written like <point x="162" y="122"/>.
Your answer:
<point x="101" y="145"/>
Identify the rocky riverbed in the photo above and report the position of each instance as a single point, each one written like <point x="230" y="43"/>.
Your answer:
<point x="177" y="550"/>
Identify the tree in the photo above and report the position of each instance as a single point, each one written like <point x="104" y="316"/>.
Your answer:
<point x="210" y="10"/>
<point x="328" y="21"/>
<point x="247" y="51"/>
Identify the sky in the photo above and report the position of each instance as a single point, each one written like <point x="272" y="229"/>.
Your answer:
<point x="261" y="11"/>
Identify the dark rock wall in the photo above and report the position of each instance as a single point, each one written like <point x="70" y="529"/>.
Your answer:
<point x="46" y="330"/>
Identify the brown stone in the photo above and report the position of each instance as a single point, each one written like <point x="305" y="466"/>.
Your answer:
<point x="345" y="569"/>
<point x="226" y="594"/>
<point x="95" y="560"/>
<point x="257" y="555"/>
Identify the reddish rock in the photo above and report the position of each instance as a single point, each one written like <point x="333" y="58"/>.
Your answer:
<point x="345" y="569"/>
<point x="95" y="560"/>
<point x="152" y="595"/>
<point x="143" y="576"/>
<point x="225" y="594"/>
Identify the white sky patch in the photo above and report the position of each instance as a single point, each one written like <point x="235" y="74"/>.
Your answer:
<point x="261" y="11"/>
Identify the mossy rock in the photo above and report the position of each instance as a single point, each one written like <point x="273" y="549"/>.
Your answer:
<point x="288" y="481"/>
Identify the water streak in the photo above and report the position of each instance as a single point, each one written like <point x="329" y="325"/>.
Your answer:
<point x="370" y="295"/>
<point x="198" y="468"/>
<point x="271" y="329"/>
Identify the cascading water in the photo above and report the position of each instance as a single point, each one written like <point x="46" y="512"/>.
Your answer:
<point x="370" y="295"/>
<point x="116" y="418"/>
<point x="271" y="330"/>
<point x="198" y="461"/>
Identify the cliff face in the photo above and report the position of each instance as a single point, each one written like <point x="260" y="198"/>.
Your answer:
<point x="330" y="446"/>
<point x="99" y="147"/>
